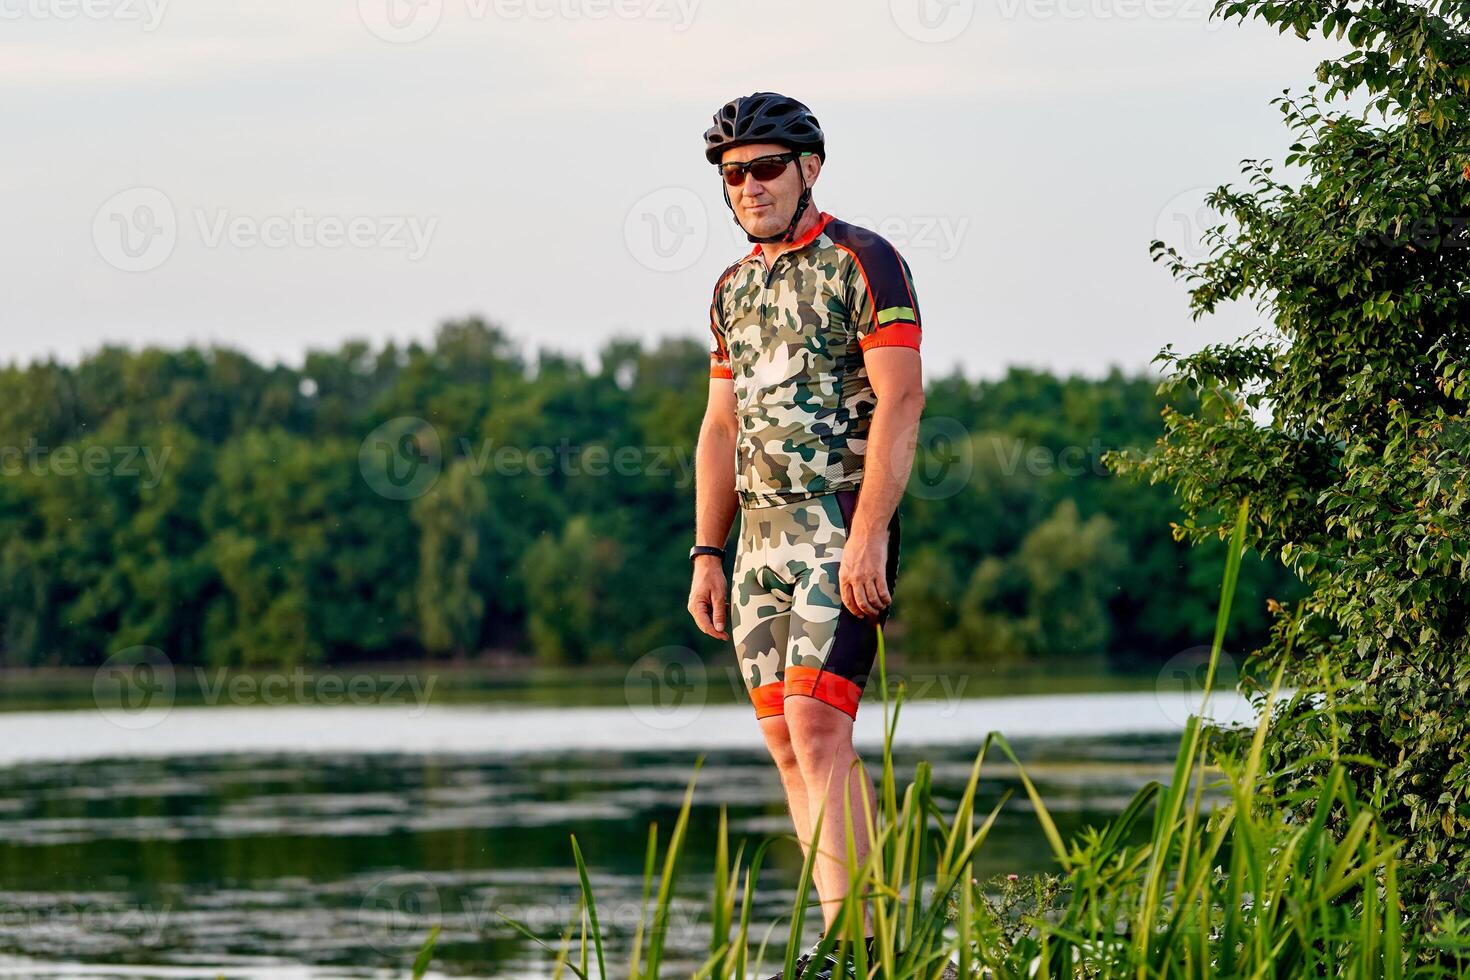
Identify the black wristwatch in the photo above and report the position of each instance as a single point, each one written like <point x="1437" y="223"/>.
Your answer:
<point x="706" y="549"/>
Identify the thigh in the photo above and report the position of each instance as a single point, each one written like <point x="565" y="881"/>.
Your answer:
<point x="814" y="561"/>
<point x="832" y="649"/>
<point x="760" y="615"/>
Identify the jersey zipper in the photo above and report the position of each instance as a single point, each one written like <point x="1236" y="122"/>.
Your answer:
<point x="766" y="289"/>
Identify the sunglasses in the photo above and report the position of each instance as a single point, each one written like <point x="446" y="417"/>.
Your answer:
<point x="762" y="169"/>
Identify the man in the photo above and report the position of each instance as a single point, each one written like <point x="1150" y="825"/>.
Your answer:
<point x="814" y="400"/>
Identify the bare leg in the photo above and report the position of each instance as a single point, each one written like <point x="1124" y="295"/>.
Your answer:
<point x="821" y="737"/>
<point x="778" y="741"/>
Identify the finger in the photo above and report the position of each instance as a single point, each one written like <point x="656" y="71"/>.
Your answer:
<point x="699" y="609"/>
<point x="709" y="616"/>
<point x="849" y="601"/>
<point x="884" y="596"/>
<point x="718" y="601"/>
<point x="873" y="589"/>
<point x="860" y="596"/>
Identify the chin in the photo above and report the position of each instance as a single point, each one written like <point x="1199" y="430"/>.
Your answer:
<point x="763" y="225"/>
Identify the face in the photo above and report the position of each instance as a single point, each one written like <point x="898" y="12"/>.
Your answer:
<point x="765" y="208"/>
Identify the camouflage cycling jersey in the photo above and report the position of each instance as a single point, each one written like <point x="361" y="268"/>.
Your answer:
<point x="792" y="339"/>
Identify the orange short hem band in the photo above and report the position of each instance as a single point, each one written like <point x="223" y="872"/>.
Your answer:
<point x="767" y="699"/>
<point x="826" y="687"/>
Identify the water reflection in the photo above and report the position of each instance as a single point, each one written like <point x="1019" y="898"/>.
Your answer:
<point x="254" y="864"/>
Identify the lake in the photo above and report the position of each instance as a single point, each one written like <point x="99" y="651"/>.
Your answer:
<point x="322" y="840"/>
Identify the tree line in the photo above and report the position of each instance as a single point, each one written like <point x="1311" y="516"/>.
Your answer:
<point x="448" y="499"/>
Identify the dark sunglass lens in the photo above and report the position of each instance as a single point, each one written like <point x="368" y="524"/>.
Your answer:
<point x="762" y="170"/>
<point x="767" y="169"/>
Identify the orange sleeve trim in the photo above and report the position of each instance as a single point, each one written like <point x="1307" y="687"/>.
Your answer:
<point x="721" y="371"/>
<point x="899" y="333"/>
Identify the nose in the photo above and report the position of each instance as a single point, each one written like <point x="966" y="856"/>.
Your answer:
<point x="751" y="187"/>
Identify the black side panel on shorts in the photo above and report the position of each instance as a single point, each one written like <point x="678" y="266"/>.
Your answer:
<point x="856" y="645"/>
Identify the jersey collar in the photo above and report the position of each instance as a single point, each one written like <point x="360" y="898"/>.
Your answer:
<point x="799" y="243"/>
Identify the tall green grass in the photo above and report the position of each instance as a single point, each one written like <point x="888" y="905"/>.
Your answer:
<point x="1171" y="888"/>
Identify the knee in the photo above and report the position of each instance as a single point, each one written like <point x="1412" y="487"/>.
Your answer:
<point x="778" y="742"/>
<point x="819" y="733"/>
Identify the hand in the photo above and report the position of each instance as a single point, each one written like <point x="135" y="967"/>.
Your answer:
<point x="708" y="596"/>
<point x="863" y="577"/>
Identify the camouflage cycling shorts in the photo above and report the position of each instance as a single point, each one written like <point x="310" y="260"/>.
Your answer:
<point x="791" y="631"/>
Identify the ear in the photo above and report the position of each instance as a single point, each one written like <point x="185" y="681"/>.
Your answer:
<point x="811" y="168"/>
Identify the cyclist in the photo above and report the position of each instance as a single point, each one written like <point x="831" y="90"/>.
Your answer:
<point x="815" y="396"/>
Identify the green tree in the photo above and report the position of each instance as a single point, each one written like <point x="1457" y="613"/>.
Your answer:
<point x="451" y="604"/>
<point x="1341" y="421"/>
<point x="1069" y="565"/>
<point x="576" y="586"/>
<point x="314" y="564"/>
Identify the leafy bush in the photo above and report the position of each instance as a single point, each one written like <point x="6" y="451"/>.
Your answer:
<point x="1359" y="480"/>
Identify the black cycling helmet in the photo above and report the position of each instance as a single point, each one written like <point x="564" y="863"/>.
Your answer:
<point x="766" y="117"/>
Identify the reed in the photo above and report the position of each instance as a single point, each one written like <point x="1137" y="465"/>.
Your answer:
<point x="1170" y="888"/>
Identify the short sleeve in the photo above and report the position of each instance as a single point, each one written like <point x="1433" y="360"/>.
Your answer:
<point x="882" y="304"/>
<point x="719" y="353"/>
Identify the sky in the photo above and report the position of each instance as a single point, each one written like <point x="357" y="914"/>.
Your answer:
<point x="286" y="175"/>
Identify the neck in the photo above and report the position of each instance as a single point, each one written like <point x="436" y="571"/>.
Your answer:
<point x="809" y="219"/>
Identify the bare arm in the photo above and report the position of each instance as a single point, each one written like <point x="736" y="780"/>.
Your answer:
<point x="714" y="505"/>
<point x="714" y="466"/>
<point x="898" y="382"/>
